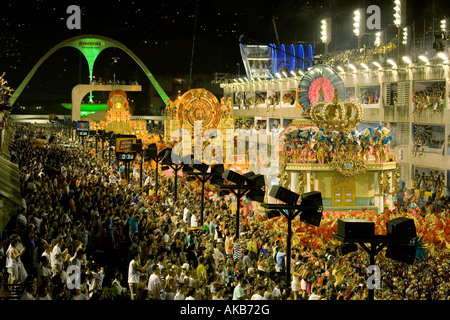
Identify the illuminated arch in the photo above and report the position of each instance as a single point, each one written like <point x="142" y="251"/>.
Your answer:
<point x="90" y="46"/>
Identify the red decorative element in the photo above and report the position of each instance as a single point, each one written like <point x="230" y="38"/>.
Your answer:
<point x="314" y="90"/>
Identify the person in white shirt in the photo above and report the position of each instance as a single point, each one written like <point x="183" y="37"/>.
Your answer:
<point x="191" y="294"/>
<point x="30" y="291"/>
<point x="154" y="284"/>
<point x="258" y="295"/>
<point x="96" y="282"/>
<point x="56" y="257"/>
<point x="194" y="223"/>
<point x="313" y="295"/>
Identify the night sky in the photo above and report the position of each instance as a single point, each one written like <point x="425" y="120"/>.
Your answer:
<point x="161" y="34"/>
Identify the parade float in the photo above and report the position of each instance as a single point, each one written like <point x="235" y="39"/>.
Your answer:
<point x="324" y="150"/>
<point x="203" y="120"/>
<point x="118" y="119"/>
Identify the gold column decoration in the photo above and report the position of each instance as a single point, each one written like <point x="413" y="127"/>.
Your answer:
<point x="282" y="174"/>
<point x="396" y="176"/>
<point x="301" y="183"/>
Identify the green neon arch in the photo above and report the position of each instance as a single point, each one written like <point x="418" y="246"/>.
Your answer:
<point x="90" y="46"/>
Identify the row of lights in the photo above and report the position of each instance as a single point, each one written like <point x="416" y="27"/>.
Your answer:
<point x="277" y="75"/>
<point x="405" y="59"/>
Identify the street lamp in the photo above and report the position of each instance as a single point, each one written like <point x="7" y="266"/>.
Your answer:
<point x="310" y="210"/>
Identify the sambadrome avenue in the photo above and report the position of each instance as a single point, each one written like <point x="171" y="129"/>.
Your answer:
<point x="280" y="151"/>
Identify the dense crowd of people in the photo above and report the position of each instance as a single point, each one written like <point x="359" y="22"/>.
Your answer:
<point x="432" y="96"/>
<point x="432" y="183"/>
<point x="129" y="243"/>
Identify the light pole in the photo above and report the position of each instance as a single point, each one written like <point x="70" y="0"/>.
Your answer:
<point x="177" y="165"/>
<point x="310" y="210"/>
<point x="401" y="234"/>
<point x="203" y="175"/>
<point x="248" y="184"/>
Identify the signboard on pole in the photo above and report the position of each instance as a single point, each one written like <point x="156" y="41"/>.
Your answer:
<point x="82" y="128"/>
<point x="124" y="150"/>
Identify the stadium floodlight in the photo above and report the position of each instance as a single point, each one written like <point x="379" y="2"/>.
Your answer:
<point x="357" y="23"/>
<point x="424" y="59"/>
<point x="323" y="31"/>
<point x="392" y="63"/>
<point x="405" y="36"/>
<point x="443" y="56"/>
<point x="444" y="25"/>
<point x="397" y="13"/>
<point x="377" y="41"/>
<point x="377" y="64"/>
<point x="407" y="59"/>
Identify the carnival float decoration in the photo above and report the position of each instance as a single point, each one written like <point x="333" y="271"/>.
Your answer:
<point x="118" y="119"/>
<point x="326" y="152"/>
<point x="197" y="111"/>
<point x="318" y="85"/>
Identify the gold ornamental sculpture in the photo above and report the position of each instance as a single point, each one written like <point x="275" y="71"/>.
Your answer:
<point x="337" y="115"/>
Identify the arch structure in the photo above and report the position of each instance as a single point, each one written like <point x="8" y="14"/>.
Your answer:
<point x="90" y="46"/>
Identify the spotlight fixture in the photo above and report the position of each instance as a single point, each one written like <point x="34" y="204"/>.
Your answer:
<point x="406" y="59"/>
<point x="392" y="63"/>
<point x="365" y="66"/>
<point x="443" y="56"/>
<point x="424" y="59"/>
<point x="377" y="64"/>
<point x="351" y="66"/>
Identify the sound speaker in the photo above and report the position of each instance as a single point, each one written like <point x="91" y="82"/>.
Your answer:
<point x="202" y="167"/>
<point x="401" y="228"/>
<point x="401" y="252"/>
<point x="216" y="179"/>
<point x="166" y="156"/>
<point x="270" y="214"/>
<point x="136" y="147"/>
<point x="151" y="152"/>
<point x="283" y="194"/>
<point x="355" y="228"/>
<point x="347" y="248"/>
<point x="313" y="198"/>
<point x="234" y="177"/>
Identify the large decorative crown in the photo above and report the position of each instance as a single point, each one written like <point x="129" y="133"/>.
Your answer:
<point x="337" y="115"/>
